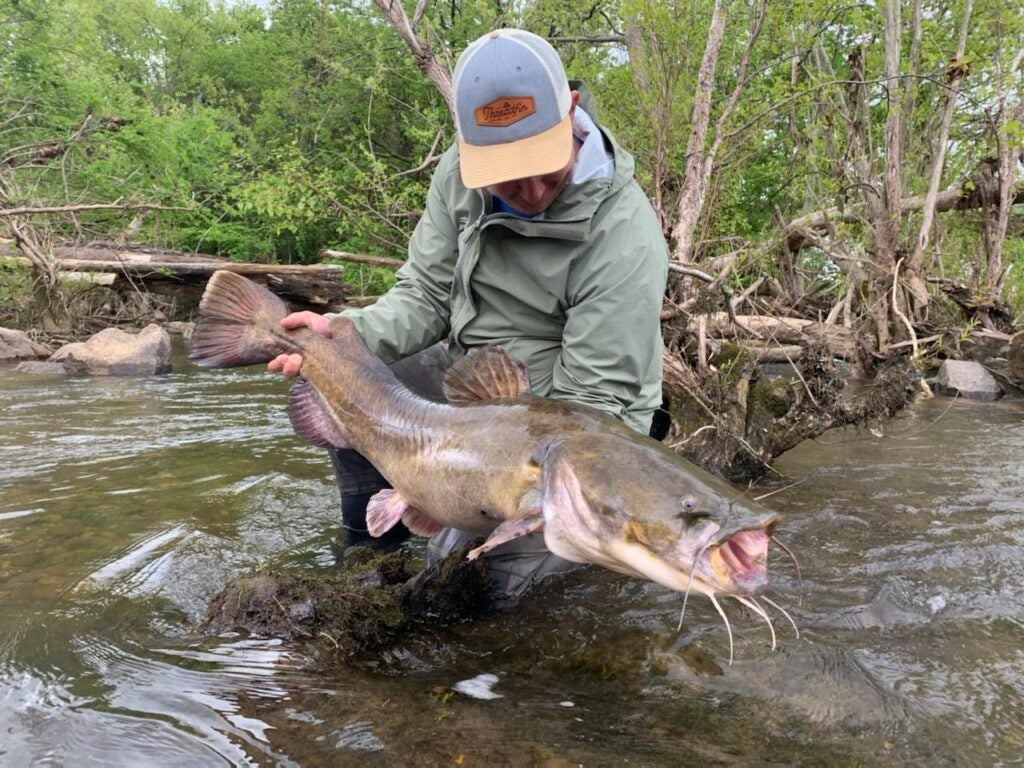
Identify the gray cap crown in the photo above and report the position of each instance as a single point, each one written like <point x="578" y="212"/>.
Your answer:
<point x="509" y="85"/>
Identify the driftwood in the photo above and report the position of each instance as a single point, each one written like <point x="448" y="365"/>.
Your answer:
<point x="773" y="332"/>
<point x="184" y="276"/>
<point x="800" y="232"/>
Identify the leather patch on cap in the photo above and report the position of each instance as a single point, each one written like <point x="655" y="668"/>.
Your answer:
<point x="505" y="111"/>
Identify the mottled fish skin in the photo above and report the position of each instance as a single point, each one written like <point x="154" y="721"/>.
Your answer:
<point x="602" y="493"/>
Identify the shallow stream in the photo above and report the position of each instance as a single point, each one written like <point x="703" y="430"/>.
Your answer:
<point x="126" y="503"/>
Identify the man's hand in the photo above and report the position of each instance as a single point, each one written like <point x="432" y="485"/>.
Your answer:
<point x="290" y="365"/>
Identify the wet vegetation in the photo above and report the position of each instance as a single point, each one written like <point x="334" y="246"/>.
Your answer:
<point x="334" y="615"/>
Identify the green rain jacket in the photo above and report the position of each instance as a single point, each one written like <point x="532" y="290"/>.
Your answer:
<point x="574" y="293"/>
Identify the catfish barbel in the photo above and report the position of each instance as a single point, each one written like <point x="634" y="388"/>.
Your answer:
<point x="498" y="461"/>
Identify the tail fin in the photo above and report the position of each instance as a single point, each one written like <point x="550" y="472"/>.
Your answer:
<point x="238" y="321"/>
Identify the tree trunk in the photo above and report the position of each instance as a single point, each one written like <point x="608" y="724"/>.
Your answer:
<point x="691" y="199"/>
<point x="954" y="75"/>
<point x="34" y="244"/>
<point x="881" y="305"/>
<point x="1009" y="157"/>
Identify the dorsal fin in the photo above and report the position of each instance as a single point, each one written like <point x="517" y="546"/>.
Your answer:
<point x="486" y="373"/>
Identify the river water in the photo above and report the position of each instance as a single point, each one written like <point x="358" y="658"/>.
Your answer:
<point x="125" y="503"/>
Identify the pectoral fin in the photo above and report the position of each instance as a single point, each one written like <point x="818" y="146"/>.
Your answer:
<point x="572" y="529"/>
<point x="509" y="530"/>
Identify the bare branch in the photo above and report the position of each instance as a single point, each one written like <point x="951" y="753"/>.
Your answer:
<point x="691" y="272"/>
<point x="955" y="75"/>
<point x="33" y="210"/>
<point x="595" y="40"/>
<point x="420" y="49"/>
<point x="358" y="258"/>
<point x="429" y="160"/>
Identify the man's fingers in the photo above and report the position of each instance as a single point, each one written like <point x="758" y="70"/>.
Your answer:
<point x="289" y="365"/>
<point x="317" y="323"/>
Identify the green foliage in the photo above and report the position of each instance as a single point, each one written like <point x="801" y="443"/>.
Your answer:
<point x="290" y="127"/>
<point x="1013" y="257"/>
<point x="368" y="280"/>
<point x="15" y="295"/>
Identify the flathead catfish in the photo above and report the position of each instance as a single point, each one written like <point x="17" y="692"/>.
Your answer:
<point x="497" y="460"/>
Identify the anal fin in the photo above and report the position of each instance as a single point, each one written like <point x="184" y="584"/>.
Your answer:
<point x="311" y="419"/>
<point x="421" y="523"/>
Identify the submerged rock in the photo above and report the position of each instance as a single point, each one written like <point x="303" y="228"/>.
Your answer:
<point x="41" y="368"/>
<point x="967" y="379"/>
<point x="113" y="352"/>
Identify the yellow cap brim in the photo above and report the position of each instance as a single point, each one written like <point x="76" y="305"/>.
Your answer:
<point x="547" y="152"/>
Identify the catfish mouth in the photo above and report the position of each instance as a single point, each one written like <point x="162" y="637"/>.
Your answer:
<point x="741" y="561"/>
<point x="737" y="560"/>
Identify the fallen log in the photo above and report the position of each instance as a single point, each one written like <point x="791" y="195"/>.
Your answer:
<point x="144" y="267"/>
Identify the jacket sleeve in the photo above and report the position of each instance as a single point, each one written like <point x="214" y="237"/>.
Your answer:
<point x="611" y="344"/>
<point x="415" y="313"/>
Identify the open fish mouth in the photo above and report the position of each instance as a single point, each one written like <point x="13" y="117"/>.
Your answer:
<point x="740" y="562"/>
<point x="736" y="562"/>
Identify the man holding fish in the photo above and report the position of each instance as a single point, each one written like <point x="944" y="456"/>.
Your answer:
<point x="536" y="238"/>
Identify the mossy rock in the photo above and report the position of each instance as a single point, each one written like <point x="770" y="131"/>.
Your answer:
<point x="770" y="397"/>
<point x="339" y="613"/>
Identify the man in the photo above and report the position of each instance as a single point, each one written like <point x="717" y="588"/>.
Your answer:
<point x="535" y="237"/>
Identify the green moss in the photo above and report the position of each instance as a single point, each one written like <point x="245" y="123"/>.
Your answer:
<point x="730" y="357"/>
<point x="16" y="285"/>
<point x="771" y="398"/>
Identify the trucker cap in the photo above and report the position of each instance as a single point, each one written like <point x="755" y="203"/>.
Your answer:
<point x="512" y="103"/>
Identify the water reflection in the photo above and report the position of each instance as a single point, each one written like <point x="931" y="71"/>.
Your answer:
<point x="125" y="503"/>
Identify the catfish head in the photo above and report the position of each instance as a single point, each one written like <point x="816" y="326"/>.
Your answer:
<point x="632" y="505"/>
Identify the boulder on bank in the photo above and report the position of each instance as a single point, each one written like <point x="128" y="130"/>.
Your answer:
<point x="113" y="352"/>
<point x="967" y="379"/>
<point x="16" y="345"/>
<point x="1015" y="357"/>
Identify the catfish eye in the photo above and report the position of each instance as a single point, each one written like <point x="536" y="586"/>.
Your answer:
<point x="689" y="505"/>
